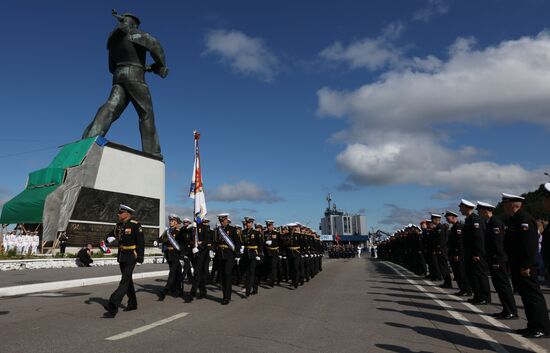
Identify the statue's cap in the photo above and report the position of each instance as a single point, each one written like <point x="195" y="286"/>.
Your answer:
<point x="131" y="15"/>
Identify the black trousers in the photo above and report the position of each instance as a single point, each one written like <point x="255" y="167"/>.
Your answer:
<point x="274" y="266"/>
<point x="536" y="310"/>
<point x="478" y="275"/>
<point x="501" y="282"/>
<point x="127" y="263"/>
<point x="459" y="272"/>
<point x="252" y="275"/>
<point x="295" y="259"/>
<point x="433" y="266"/>
<point x="443" y="264"/>
<point x="174" y="283"/>
<point x="201" y="261"/>
<point x="226" y="262"/>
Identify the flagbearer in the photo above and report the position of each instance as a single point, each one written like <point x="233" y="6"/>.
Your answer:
<point x="173" y="241"/>
<point x="201" y="251"/>
<point x="129" y="235"/>
<point x="228" y="247"/>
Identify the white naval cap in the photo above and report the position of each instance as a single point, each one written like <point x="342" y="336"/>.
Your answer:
<point x="222" y="215"/>
<point x="269" y="221"/>
<point x="173" y="216"/>
<point x="450" y="213"/>
<point x="511" y="197"/>
<point x="435" y="215"/>
<point x="251" y="219"/>
<point x="547" y="187"/>
<point x="186" y="220"/>
<point x="128" y="209"/>
<point x="467" y="203"/>
<point x="486" y="205"/>
<point x="292" y="224"/>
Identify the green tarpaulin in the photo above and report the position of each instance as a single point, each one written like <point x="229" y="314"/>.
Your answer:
<point x="28" y="206"/>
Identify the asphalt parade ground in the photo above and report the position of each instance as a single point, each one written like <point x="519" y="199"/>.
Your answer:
<point x="353" y="305"/>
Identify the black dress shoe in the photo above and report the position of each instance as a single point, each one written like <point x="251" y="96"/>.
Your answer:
<point x="468" y="294"/>
<point x="225" y="301"/>
<point x="110" y="309"/>
<point x="507" y="317"/>
<point x="522" y="331"/>
<point x="201" y="295"/>
<point x="481" y="302"/>
<point x="536" y="334"/>
<point x="161" y="295"/>
<point x="498" y="315"/>
<point x="130" y="308"/>
<point x="460" y="293"/>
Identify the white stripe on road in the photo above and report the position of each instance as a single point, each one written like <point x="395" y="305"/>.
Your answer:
<point x="146" y="327"/>
<point x="525" y="343"/>
<point x="74" y="283"/>
<point x="470" y="326"/>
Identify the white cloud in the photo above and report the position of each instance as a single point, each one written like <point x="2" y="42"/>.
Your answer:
<point x="396" y="122"/>
<point x="244" y="54"/>
<point x="433" y="8"/>
<point x="243" y="191"/>
<point x="371" y="53"/>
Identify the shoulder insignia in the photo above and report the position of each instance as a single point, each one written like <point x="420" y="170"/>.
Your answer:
<point x="134" y="221"/>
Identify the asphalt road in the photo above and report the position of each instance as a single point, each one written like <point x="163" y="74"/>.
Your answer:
<point x="357" y="305"/>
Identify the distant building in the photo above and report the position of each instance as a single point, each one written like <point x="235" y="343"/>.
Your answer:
<point x="339" y="223"/>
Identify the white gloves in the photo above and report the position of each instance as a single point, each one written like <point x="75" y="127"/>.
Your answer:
<point x="284" y="257"/>
<point x="280" y="257"/>
<point x="195" y="250"/>
<point x="258" y="258"/>
<point x="269" y="242"/>
<point x="211" y="254"/>
<point x="185" y="257"/>
<point x="110" y="240"/>
<point x="155" y="243"/>
<point x="242" y="249"/>
<point x="192" y="225"/>
<point x="182" y="263"/>
<point x="238" y="259"/>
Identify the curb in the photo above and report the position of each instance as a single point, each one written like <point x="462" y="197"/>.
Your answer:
<point x="74" y="283"/>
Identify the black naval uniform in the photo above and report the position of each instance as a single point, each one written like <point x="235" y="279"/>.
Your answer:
<point x="226" y="258"/>
<point x="442" y="251"/>
<point x="476" y="270"/>
<point x="521" y="242"/>
<point x="498" y="265"/>
<point x="253" y="244"/>
<point x="294" y="257"/>
<point x="272" y="259"/>
<point x="174" y="284"/>
<point x="201" y="260"/>
<point x="130" y="251"/>
<point x="456" y="255"/>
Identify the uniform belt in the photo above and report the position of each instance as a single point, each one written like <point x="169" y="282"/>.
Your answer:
<point x="170" y="248"/>
<point x="273" y="247"/>
<point x="223" y="246"/>
<point x="294" y="248"/>
<point x="127" y="247"/>
<point x="251" y="247"/>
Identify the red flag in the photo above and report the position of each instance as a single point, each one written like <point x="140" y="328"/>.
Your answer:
<point x="337" y="239"/>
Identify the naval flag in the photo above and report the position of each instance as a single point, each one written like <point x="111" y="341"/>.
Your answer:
<point x="197" y="192"/>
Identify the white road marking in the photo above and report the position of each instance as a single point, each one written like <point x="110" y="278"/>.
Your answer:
<point x="470" y="326"/>
<point x="525" y="343"/>
<point x="146" y="327"/>
<point x="74" y="283"/>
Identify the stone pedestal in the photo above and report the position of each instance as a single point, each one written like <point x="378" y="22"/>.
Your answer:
<point x="85" y="205"/>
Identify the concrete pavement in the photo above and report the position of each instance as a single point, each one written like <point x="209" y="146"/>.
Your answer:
<point x="354" y="305"/>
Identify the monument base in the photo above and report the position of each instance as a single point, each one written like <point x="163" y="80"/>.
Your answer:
<point x="80" y="191"/>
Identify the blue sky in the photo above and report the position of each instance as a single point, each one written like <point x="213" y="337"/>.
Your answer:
<point x="397" y="108"/>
